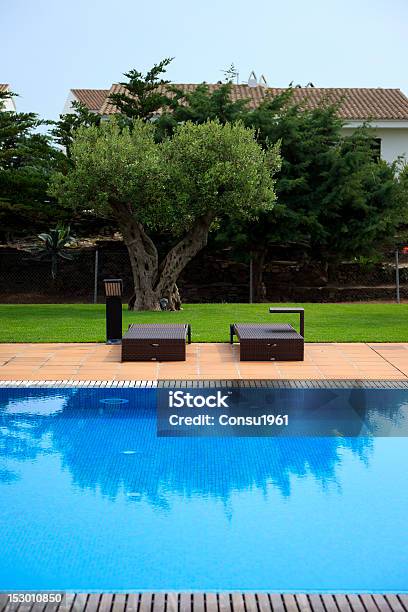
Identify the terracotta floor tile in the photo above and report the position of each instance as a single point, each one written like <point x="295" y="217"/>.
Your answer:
<point x="380" y="375"/>
<point x="62" y="362"/>
<point x="259" y="364"/>
<point x="34" y="354"/>
<point x="137" y="367"/>
<point x="25" y="375"/>
<point x="216" y="376"/>
<point x="377" y="364"/>
<point x="352" y="348"/>
<point x="101" y="359"/>
<point x="88" y="352"/>
<point x="254" y="371"/>
<point x="129" y="365"/>
<point x="49" y="366"/>
<point x="273" y="375"/>
<point x="397" y="361"/>
<point x="226" y="373"/>
<point x="327" y="370"/>
<point x="95" y="376"/>
<point x="123" y="377"/>
<point x="218" y="363"/>
<point x="309" y="376"/>
<point x="101" y="366"/>
<point x="404" y="370"/>
<point x="311" y="349"/>
<point x="5" y="377"/>
<point x="331" y="359"/>
<point x="19" y="361"/>
<point x="381" y="368"/>
<point x="331" y="364"/>
<point x="305" y="369"/>
<point x="228" y="354"/>
<point x="177" y="371"/>
<point x="187" y="376"/>
<point x="89" y="361"/>
<point x="137" y="364"/>
<point x="374" y="366"/>
<point x="290" y="364"/>
<point x="51" y="376"/>
<point x="399" y="366"/>
<point x="393" y="346"/>
<point x="100" y="373"/>
<point x="10" y="367"/>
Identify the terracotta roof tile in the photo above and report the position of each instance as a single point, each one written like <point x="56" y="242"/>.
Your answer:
<point x="238" y="92"/>
<point x="92" y="98"/>
<point x="355" y="103"/>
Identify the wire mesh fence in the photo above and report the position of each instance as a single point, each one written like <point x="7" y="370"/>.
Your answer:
<point x="25" y="279"/>
<point x="208" y="278"/>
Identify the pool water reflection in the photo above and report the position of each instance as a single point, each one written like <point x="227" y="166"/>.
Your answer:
<point x="92" y="499"/>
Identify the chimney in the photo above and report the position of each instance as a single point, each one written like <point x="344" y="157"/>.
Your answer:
<point x="252" y="80"/>
<point x="262" y="81"/>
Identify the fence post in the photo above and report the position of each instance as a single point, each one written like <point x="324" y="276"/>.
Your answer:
<point x="397" y="279"/>
<point x="251" y="281"/>
<point x="96" y="266"/>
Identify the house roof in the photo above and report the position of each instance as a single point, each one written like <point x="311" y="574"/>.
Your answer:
<point x="255" y="95"/>
<point x="355" y="103"/>
<point x="91" y="98"/>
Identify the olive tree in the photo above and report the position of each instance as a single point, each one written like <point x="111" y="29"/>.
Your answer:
<point x="180" y="186"/>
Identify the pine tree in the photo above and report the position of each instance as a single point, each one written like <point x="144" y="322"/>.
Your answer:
<point x="27" y="160"/>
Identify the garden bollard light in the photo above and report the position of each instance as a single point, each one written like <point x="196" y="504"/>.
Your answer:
<point x="113" y="293"/>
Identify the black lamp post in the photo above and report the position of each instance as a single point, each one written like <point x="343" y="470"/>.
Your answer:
<point x="113" y="293"/>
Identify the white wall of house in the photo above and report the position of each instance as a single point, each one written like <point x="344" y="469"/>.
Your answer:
<point x="68" y="104"/>
<point x="394" y="137"/>
<point x="9" y="105"/>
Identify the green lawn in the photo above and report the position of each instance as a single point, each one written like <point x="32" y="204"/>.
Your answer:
<point x="210" y="322"/>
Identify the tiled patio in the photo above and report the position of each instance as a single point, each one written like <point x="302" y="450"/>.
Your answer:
<point x="373" y="361"/>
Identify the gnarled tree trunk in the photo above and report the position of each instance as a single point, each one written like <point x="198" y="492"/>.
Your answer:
<point x="152" y="279"/>
<point x="173" y="304"/>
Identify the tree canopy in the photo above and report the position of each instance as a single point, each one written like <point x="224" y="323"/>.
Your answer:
<point x="179" y="163"/>
<point x="27" y="160"/>
<point x="181" y="185"/>
<point x="200" y="105"/>
<point x="142" y="95"/>
<point x="334" y="195"/>
<point x="63" y="130"/>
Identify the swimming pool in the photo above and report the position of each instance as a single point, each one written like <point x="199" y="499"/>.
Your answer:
<point x="91" y="499"/>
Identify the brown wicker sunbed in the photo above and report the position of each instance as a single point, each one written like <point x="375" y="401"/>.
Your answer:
<point x="156" y="342"/>
<point x="269" y="341"/>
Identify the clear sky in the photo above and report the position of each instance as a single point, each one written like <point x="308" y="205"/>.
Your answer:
<point x="50" y="46"/>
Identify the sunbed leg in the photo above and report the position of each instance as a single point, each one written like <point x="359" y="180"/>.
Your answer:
<point x="232" y="332"/>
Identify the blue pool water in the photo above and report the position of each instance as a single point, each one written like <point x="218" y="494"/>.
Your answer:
<point x="92" y="499"/>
